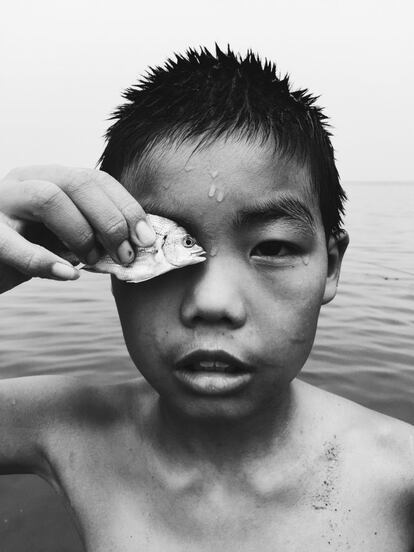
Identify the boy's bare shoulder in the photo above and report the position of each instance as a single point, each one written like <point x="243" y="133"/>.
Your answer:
<point x="56" y="401"/>
<point x="374" y="446"/>
<point x="42" y="417"/>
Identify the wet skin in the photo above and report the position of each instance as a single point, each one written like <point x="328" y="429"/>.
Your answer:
<point x="259" y="294"/>
<point x="272" y="465"/>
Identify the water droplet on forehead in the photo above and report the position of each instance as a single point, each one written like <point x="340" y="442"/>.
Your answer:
<point x="166" y="185"/>
<point x="188" y="168"/>
<point x="220" y="196"/>
<point x="213" y="174"/>
<point x="212" y="191"/>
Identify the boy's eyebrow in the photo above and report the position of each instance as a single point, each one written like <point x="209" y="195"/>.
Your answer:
<point x="285" y="207"/>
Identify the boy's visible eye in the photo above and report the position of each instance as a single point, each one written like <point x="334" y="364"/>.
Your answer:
<point x="274" y="252"/>
<point x="272" y="249"/>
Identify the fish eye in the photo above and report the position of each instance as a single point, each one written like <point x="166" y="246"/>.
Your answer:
<point x="188" y="241"/>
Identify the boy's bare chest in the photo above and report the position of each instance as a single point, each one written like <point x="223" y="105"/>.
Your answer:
<point x="123" y="511"/>
<point x="127" y="525"/>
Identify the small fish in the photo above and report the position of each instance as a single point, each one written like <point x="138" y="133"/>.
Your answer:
<point x="173" y="248"/>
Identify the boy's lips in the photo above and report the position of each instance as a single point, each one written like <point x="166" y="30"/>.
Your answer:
<point x="212" y="372"/>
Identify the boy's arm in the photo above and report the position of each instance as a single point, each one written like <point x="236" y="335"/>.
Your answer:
<point x="45" y="210"/>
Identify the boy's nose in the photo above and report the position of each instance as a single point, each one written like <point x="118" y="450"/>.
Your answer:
<point x="215" y="297"/>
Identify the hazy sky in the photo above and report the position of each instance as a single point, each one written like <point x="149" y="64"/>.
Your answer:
<point x="64" y="65"/>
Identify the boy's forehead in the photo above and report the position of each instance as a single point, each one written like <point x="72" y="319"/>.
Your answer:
<point x="224" y="159"/>
<point x="219" y="178"/>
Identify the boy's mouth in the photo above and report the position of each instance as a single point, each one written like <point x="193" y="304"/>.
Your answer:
<point x="212" y="372"/>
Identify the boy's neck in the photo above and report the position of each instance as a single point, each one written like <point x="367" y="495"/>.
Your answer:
<point x="229" y="443"/>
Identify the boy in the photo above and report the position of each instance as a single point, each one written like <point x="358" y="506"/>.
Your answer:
<point x="219" y="448"/>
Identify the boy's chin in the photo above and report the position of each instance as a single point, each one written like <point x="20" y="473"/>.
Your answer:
<point x="223" y="409"/>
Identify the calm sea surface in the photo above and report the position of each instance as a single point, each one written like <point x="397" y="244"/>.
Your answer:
<point x="364" y="348"/>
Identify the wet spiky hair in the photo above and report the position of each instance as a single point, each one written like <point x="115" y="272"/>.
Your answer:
<point x="206" y="96"/>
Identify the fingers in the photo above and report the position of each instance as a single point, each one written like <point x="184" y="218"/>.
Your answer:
<point x="44" y="201"/>
<point x="109" y="212"/>
<point x="105" y="216"/>
<point x="141" y="231"/>
<point x="31" y="259"/>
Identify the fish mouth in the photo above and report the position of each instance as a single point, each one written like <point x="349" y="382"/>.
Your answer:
<point x="197" y="255"/>
<point x="197" y="250"/>
<point x="193" y="258"/>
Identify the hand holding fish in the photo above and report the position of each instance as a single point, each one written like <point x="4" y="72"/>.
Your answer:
<point x="46" y="209"/>
<point x="173" y="248"/>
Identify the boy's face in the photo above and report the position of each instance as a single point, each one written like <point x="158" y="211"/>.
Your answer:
<point x="258" y="295"/>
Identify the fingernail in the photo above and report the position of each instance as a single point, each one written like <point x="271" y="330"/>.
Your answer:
<point x="146" y="233"/>
<point x="64" y="272"/>
<point x="125" y="252"/>
<point x="92" y="257"/>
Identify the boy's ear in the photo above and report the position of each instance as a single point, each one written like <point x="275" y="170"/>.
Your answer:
<point x="336" y="248"/>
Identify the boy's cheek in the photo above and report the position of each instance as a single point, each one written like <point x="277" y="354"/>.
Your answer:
<point x="143" y="315"/>
<point x="149" y="319"/>
<point x="279" y="333"/>
<point x="290" y="314"/>
<point x="296" y="293"/>
<point x="279" y="305"/>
